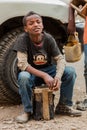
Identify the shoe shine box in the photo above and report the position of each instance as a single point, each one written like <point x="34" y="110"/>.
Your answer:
<point x="43" y="103"/>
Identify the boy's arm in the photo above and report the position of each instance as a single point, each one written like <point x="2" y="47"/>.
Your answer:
<point x="60" y="66"/>
<point x="59" y="71"/>
<point x="25" y="66"/>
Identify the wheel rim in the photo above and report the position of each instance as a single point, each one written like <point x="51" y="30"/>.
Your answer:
<point x="14" y="72"/>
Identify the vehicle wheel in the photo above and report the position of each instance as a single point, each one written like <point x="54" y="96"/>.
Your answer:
<point x="8" y="70"/>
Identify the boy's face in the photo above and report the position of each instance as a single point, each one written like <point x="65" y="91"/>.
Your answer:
<point x="34" y="25"/>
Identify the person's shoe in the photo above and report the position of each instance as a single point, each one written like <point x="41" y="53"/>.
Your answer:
<point x="80" y="106"/>
<point x="67" y="110"/>
<point x="85" y="102"/>
<point x="23" y="118"/>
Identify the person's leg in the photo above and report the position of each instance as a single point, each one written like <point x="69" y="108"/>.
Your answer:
<point x="84" y="102"/>
<point x="25" y="90"/>
<point x="85" y="65"/>
<point x="25" y="83"/>
<point x="66" y="91"/>
<point x="65" y="105"/>
<point x="82" y="105"/>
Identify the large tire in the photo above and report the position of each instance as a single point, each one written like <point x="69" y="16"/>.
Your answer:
<point x="8" y="70"/>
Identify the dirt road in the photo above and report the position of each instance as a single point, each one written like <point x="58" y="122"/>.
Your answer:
<point x="8" y="113"/>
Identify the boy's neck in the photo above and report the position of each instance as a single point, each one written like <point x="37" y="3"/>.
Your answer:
<point x="36" y="39"/>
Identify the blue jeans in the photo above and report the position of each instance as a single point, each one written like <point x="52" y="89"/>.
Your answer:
<point x="85" y="60"/>
<point x="85" y="65"/>
<point x="27" y="81"/>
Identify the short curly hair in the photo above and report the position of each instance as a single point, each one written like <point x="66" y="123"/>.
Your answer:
<point x="29" y="14"/>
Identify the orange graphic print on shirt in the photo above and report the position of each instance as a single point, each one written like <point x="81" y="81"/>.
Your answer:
<point x="40" y="59"/>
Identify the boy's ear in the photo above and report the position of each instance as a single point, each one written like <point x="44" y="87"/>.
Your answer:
<point x="25" y="29"/>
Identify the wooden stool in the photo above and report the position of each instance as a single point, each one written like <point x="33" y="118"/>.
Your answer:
<point x="43" y="103"/>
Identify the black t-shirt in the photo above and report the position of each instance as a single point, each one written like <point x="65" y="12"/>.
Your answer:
<point x="38" y="57"/>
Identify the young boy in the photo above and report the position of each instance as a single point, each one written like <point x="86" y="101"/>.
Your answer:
<point x="35" y="50"/>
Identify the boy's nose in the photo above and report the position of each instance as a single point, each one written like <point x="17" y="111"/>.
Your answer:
<point x="35" y="24"/>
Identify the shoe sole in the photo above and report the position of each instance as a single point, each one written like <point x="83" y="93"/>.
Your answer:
<point x="68" y="114"/>
<point x="21" y="122"/>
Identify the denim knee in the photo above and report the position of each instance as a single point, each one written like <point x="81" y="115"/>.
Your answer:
<point x="72" y="73"/>
<point x="69" y="73"/>
<point x="23" y="75"/>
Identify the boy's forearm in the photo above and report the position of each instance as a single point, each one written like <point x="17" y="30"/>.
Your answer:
<point x="60" y="66"/>
<point x="35" y="72"/>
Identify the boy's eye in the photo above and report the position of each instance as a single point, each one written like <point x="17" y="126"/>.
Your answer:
<point x="32" y="22"/>
<point x="38" y="21"/>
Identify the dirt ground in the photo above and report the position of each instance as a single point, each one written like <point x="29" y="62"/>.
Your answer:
<point x="8" y="113"/>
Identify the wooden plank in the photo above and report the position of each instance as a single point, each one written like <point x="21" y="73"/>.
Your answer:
<point x="46" y="113"/>
<point x="43" y="103"/>
<point x="39" y="90"/>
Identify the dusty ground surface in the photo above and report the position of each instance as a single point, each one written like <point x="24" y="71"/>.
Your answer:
<point x="8" y="113"/>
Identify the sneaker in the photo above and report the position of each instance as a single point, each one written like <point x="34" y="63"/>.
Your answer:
<point x="67" y="110"/>
<point x="23" y="118"/>
<point x="82" y="105"/>
<point x="85" y="103"/>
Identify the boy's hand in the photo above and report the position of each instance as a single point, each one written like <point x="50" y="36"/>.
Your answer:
<point x="53" y="83"/>
<point x="56" y="84"/>
<point x="48" y="80"/>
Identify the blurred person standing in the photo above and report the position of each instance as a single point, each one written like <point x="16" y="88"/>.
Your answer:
<point x="71" y="30"/>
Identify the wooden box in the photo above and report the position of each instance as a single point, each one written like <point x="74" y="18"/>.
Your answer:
<point x="43" y="104"/>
